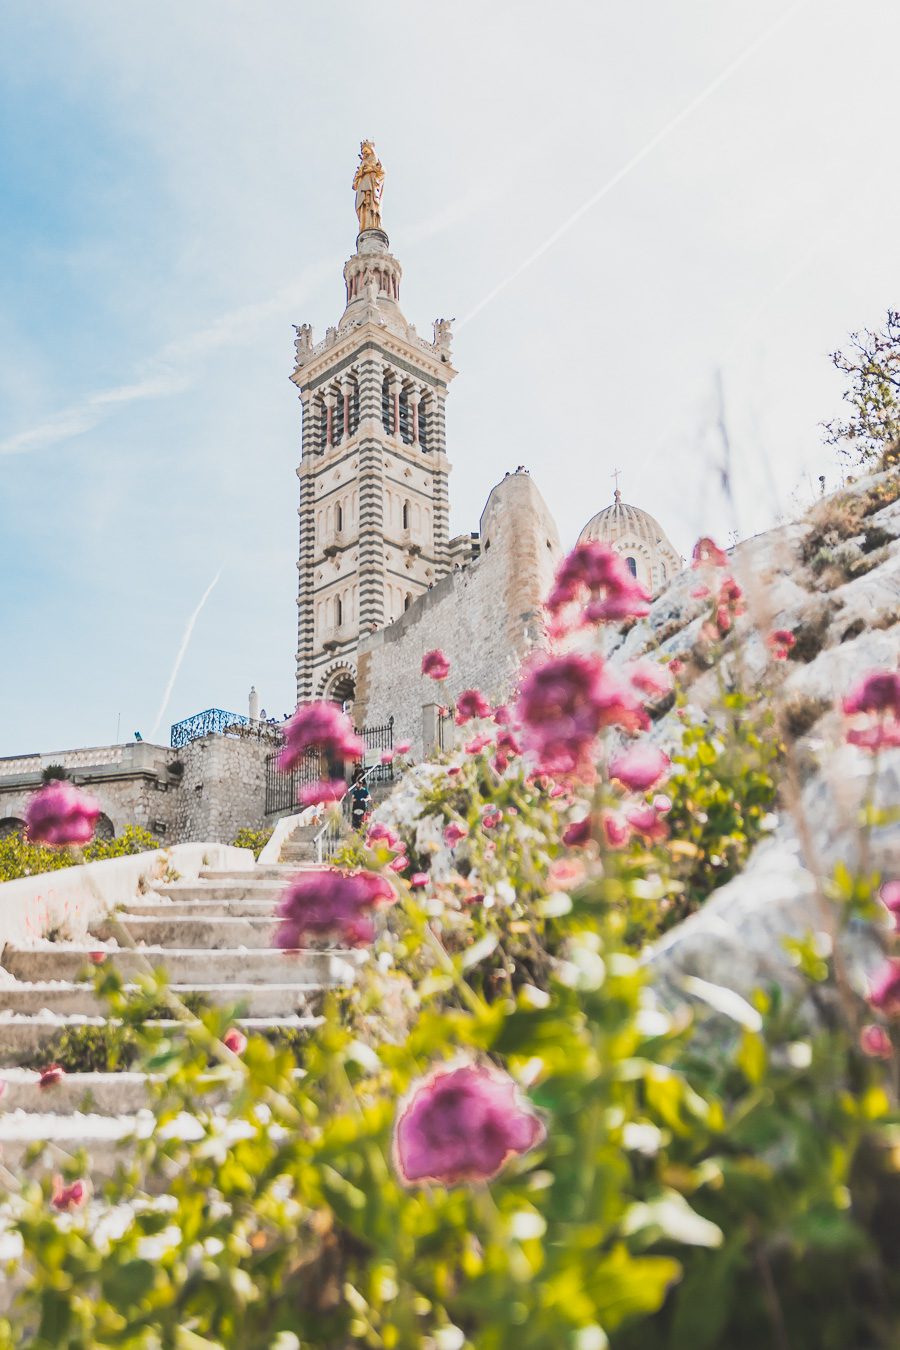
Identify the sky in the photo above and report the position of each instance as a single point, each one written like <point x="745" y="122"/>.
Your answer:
<point x="648" y="219"/>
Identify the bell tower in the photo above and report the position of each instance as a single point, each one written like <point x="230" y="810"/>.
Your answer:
<point x="374" y="507"/>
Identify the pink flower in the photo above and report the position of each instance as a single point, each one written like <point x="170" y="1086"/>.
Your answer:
<point x="875" y="1042"/>
<point x="477" y="744"/>
<point x="577" y="833"/>
<point x="65" y="1198"/>
<point x="616" y="830"/>
<point x="706" y="552"/>
<point x="639" y="767"/>
<point x="876" y="696"/>
<point x="730" y="604"/>
<point x="594" y="575"/>
<point x="379" y="833"/>
<point x="781" y="642"/>
<point x="454" y="770"/>
<point x="402" y="747"/>
<point x="330" y="902"/>
<point x="491" y="819"/>
<point x="235" y="1041"/>
<point x="319" y="726"/>
<point x="400" y="863"/>
<point x="473" y="899"/>
<point x="564" y="702"/>
<point x="565" y="873"/>
<point x="314" y="794"/>
<point x="701" y="593"/>
<point x="387" y="756"/>
<point x="60" y="814"/>
<point x="507" y="748"/>
<point x="97" y="958"/>
<point x="453" y="833"/>
<point x="676" y="666"/>
<point x="51" y="1074"/>
<point x="435" y="665"/>
<point x="418" y="879"/>
<point x="646" y="821"/>
<point x="462" y="1124"/>
<point x="889" y="895"/>
<point x="502" y="715"/>
<point x="650" y="677"/>
<point x="884" y="989"/>
<point x="471" y="703"/>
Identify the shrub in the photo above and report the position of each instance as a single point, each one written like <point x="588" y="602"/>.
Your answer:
<point x="19" y="858"/>
<point x="252" y="839"/>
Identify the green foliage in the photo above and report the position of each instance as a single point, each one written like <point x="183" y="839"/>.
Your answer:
<point x="253" y="839"/>
<point x="871" y="434"/>
<point x="19" y="858"/>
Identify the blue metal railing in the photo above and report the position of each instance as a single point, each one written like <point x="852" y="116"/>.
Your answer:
<point x="215" y="722"/>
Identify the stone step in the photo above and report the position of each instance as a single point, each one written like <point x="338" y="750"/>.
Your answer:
<point x="221" y="890"/>
<point x="158" y="909"/>
<point x="210" y="932"/>
<point x="223" y="967"/>
<point x="272" y="872"/>
<point x="291" y="853"/>
<point x="32" y="1037"/>
<point x="102" y="1094"/>
<point x="256" y="1000"/>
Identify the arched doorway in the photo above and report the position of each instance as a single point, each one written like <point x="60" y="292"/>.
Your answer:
<point x="104" y="829"/>
<point x="11" y="825"/>
<point x="340" y="688"/>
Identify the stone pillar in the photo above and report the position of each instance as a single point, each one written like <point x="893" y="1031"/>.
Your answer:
<point x="431" y="728"/>
<point x="330" y="401"/>
<point x="347" y="392"/>
<point x="396" y="388"/>
<point x="253" y="705"/>
<point x="414" y="397"/>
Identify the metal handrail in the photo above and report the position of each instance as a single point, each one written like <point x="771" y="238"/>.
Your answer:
<point x="328" y="829"/>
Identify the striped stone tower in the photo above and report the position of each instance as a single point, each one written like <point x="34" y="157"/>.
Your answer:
<point x="374" y="505"/>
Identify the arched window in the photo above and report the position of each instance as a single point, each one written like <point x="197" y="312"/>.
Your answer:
<point x="338" y="612"/>
<point x="339" y="518"/>
<point x="405" y="417"/>
<point x="423" y="423"/>
<point x="387" y="405"/>
<point x="632" y="566"/>
<point x="406" y="515"/>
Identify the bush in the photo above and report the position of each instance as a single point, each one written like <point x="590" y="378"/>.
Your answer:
<point x="253" y="839"/>
<point x="19" y="858"/>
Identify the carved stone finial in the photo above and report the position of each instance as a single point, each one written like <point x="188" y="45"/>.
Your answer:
<point x="368" y="184"/>
<point x="443" y="335"/>
<point x="302" y="342"/>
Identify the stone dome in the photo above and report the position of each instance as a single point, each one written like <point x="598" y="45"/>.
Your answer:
<point x="639" y="538"/>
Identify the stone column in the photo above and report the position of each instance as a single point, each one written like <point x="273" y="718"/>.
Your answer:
<point x="396" y="388"/>
<point x="414" y="397"/>
<point x="347" y="392"/>
<point x="330" y="401"/>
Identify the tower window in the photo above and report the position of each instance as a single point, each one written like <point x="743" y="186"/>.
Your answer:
<point x="423" y="424"/>
<point x="632" y="566"/>
<point x="387" y="405"/>
<point x="339" y="518"/>
<point x="406" y="515"/>
<point x="405" y="417"/>
<point x="338" y="613"/>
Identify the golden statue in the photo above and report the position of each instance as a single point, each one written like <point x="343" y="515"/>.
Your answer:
<point x="369" y="184"/>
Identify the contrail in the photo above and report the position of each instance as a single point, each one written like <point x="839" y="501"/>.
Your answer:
<point x="181" y="651"/>
<point x="636" y="158"/>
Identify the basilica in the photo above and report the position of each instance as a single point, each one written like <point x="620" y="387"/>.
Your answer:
<point x="380" y="578"/>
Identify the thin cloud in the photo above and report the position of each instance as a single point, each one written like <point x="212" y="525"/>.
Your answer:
<point x="191" y="623"/>
<point x="168" y="371"/>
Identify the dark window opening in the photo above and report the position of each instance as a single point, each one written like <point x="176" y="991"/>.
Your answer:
<point x="632" y="566"/>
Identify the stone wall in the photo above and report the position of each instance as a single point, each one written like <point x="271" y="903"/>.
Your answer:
<point x="205" y="791"/>
<point x="222" y="789"/>
<point x="486" y="617"/>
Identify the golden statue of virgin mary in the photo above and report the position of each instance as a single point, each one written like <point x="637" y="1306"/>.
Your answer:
<point x="368" y="182"/>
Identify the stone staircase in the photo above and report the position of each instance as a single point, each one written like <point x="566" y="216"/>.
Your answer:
<point x="213" y="937"/>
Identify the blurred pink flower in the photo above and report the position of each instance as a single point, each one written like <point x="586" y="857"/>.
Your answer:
<point x="707" y="553"/>
<point x="884" y="988"/>
<point x="51" y="1074"/>
<point x="644" y="820"/>
<point x="780" y="643"/>
<point x="576" y="833"/>
<point x="330" y="902"/>
<point x="491" y="819"/>
<point x="235" y="1041"/>
<point x="615" y="829"/>
<point x="700" y="593"/>
<point x="477" y="743"/>
<point x="379" y="833"/>
<point x="418" y="879"/>
<point x="877" y="697"/>
<point x="314" y="794"/>
<point x="64" y="1198"/>
<point x="471" y="703"/>
<point x="319" y="726"/>
<point x="399" y="864"/>
<point x="889" y="895"/>
<point x="564" y="873"/>
<point x="639" y="767"/>
<point x="462" y="1124"/>
<point x="595" y="576"/>
<point x="454" y="832"/>
<point x="435" y="665"/>
<point x="730" y="604"/>
<point x="387" y="757"/>
<point x="563" y="703"/>
<point x="675" y="666"/>
<point x="402" y="747"/>
<point x="875" y="1042"/>
<point x="97" y="958"/>
<point x="650" y="677"/>
<point x="61" y="814"/>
